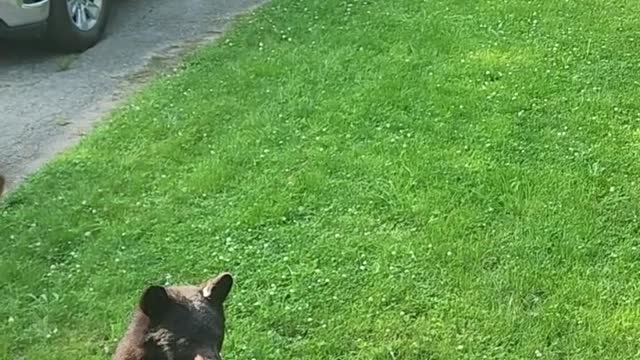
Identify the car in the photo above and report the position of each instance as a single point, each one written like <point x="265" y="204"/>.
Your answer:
<point x="68" y="25"/>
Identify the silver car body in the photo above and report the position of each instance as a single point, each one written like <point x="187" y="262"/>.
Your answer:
<point x="17" y="13"/>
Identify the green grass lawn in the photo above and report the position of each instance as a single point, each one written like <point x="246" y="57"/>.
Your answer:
<point x="408" y="179"/>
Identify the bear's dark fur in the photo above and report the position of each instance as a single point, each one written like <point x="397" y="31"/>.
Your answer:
<point x="178" y="323"/>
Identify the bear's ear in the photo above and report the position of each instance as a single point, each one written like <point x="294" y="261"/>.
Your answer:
<point x="155" y="302"/>
<point x="216" y="290"/>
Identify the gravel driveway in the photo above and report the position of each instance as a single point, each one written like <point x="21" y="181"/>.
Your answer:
<point x="48" y="101"/>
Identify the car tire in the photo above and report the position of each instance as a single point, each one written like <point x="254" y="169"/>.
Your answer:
<point x="64" y="32"/>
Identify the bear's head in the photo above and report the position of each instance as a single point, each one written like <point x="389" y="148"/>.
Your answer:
<point x="178" y="323"/>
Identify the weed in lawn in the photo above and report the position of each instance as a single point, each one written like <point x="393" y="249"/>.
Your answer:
<point x="64" y="62"/>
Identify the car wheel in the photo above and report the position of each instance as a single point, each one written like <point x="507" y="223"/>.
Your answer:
<point x="76" y="25"/>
